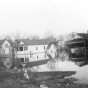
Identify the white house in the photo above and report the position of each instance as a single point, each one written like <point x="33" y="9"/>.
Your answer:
<point x="6" y="51"/>
<point x="33" y="50"/>
<point x="6" y="46"/>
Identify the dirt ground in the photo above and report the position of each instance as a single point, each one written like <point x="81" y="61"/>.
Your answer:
<point x="39" y="80"/>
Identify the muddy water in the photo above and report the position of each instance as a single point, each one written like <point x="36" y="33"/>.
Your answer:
<point x="81" y="72"/>
<point x="82" y="75"/>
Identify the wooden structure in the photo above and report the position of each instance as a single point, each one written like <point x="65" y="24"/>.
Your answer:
<point x="78" y="50"/>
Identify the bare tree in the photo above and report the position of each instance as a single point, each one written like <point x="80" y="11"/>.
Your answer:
<point x="8" y="37"/>
<point x="33" y="37"/>
<point x="71" y="36"/>
<point x="17" y="35"/>
<point x="61" y="37"/>
<point x="49" y="34"/>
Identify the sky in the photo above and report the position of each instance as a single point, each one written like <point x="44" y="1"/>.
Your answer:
<point x="36" y="17"/>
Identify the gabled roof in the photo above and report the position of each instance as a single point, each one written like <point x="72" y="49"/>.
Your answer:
<point x="10" y="41"/>
<point x="2" y="41"/>
<point x="18" y="40"/>
<point x="35" y="42"/>
<point x="36" y="63"/>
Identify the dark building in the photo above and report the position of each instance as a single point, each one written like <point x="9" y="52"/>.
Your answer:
<point x="78" y="49"/>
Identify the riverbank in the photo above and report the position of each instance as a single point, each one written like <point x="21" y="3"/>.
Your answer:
<point x="53" y="79"/>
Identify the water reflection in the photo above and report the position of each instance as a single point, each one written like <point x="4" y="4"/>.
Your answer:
<point x="66" y="66"/>
<point x="63" y="64"/>
<point x="58" y="66"/>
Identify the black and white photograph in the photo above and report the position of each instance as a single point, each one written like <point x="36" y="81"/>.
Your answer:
<point x="43" y="43"/>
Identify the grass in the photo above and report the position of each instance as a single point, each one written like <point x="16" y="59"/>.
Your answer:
<point x="51" y="79"/>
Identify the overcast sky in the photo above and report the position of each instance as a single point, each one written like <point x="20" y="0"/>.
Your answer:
<point x="38" y="16"/>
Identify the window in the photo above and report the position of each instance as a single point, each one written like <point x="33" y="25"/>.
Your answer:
<point x="51" y="51"/>
<point x="36" y="48"/>
<point x="7" y="55"/>
<point x="12" y="50"/>
<point x="26" y="59"/>
<point x="17" y="49"/>
<point x="44" y="47"/>
<point x="45" y="56"/>
<point x="37" y="56"/>
<point x="22" y="59"/>
<point x="20" y="48"/>
<point x="25" y="48"/>
<point x="3" y="51"/>
<point x="6" y="46"/>
<point x="86" y="44"/>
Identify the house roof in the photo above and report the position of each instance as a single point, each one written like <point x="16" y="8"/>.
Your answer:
<point x="36" y="63"/>
<point x="76" y="40"/>
<point x="83" y="35"/>
<point x="10" y="41"/>
<point x="34" y="42"/>
<point x="2" y="41"/>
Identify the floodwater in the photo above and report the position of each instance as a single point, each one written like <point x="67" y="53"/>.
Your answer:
<point x="81" y="72"/>
<point x="66" y="65"/>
